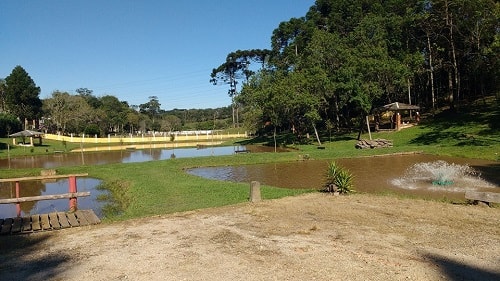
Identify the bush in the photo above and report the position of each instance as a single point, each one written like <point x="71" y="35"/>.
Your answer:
<point x="339" y="179"/>
<point x="9" y="125"/>
<point x="92" y="130"/>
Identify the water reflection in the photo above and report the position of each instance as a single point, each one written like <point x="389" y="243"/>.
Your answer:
<point x="123" y="156"/>
<point x="37" y="188"/>
<point x="371" y="174"/>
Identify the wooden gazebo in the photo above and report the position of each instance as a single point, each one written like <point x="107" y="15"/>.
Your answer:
<point x="396" y="108"/>
<point x="27" y="134"/>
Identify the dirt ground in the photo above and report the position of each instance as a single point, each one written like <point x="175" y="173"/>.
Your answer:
<point x="309" y="237"/>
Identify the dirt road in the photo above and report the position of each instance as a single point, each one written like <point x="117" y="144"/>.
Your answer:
<point x="309" y="237"/>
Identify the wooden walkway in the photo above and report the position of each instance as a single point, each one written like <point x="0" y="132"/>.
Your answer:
<point x="44" y="222"/>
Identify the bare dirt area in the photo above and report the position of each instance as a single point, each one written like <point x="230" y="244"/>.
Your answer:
<point x="309" y="237"/>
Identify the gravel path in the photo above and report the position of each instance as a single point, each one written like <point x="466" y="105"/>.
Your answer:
<point x="309" y="237"/>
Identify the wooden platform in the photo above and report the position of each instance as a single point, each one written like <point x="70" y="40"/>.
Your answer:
<point x="45" y="222"/>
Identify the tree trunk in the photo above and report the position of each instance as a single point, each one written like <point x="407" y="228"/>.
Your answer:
<point x="274" y="138"/>
<point x="233" y="109"/>
<point x="361" y="126"/>
<point x="450" y="89"/>
<point x="409" y="92"/>
<point x="337" y="115"/>
<point x="237" y="116"/>
<point x="449" y="24"/>
<point x="316" y="133"/>
<point x="431" y="71"/>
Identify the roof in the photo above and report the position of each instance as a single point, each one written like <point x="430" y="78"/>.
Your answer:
<point x="26" y="133"/>
<point x="396" y="106"/>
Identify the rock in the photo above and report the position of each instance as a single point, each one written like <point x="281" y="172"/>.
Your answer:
<point x="376" y="143"/>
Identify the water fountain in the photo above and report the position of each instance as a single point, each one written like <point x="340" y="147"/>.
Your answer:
<point x="443" y="176"/>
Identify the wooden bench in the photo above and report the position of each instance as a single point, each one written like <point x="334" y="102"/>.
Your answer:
<point x="486" y="197"/>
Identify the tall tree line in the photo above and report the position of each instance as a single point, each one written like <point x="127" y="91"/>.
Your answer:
<point x="345" y="57"/>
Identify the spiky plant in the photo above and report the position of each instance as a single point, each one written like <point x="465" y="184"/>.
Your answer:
<point x="339" y="179"/>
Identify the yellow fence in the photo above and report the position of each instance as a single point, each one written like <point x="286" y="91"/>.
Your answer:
<point x="180" y="137"/>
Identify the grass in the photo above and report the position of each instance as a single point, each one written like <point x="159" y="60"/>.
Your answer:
<point x="161" y="187"/>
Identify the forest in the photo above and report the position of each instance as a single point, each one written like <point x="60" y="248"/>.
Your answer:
<point x="326" y="70"/>
<point x="333" y="66"/>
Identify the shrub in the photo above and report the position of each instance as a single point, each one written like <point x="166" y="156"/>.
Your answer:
<point x="92" y="130"/>
<point x="339" y="179"/>
<point x="8" y="125"/>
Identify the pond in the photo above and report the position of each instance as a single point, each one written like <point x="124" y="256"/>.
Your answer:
<point x="371" y="174"/>
<point x="37" y="188"/>
<point x="124" y="156"/>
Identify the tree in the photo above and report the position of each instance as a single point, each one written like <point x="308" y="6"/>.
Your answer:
<point x="22" y="95"/>
<point x="268" y="92"/>
<point x="133" y="119"/>
<point x="237" y="67"/>
<point x="288" y="41"/>
<point x="3" y="88"/>
<point x="115" y="114"/>
<point x="8" y="125"/>
<point x="68" y="113"/>
<point x="87" y="94"/>
<point x="170" y="123"/>
<point x="151" y="108"/>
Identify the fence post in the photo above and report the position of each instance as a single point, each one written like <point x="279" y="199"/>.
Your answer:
<point x="72" y="189"/>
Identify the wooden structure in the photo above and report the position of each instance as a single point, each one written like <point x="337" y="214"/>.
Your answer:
<point x="396" y="108"/>
<point x="486" y="197"/>
<point x="72" y="195"/>
<point x="44" y="222"/>
<point x="27" y="134"/>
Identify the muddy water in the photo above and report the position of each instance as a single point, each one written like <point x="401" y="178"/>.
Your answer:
<point x="122" y="156"/>
<point x="36" y="188"/>
<point x="371" y="174"/>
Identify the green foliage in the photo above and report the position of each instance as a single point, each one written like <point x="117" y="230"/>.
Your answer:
<point x="346" y="57"/>
<point x="22" y="95"/>
<point x="92" y="130"/>
<point x="117" y="200"/>
<point x="8" y="125"/>
<point x="151" y="108"/>
<point x="338" y="179"/>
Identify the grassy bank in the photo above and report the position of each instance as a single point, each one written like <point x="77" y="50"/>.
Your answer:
<point x="159" y="187"/>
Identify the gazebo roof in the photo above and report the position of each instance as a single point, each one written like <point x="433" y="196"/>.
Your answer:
<point x="396" y="106"/>
<point x="26" y="133"/>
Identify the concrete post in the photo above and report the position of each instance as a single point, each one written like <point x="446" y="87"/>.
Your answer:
<point x="255" y="191"/>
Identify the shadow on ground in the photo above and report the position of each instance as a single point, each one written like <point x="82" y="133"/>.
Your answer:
<point x="17" y="262"/>
<point x="456" y="271"/>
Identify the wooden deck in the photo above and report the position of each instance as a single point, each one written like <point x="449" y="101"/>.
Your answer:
<point x="45" y="222"/>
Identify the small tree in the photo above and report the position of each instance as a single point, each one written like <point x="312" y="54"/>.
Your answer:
<point x="8" y="125"/>
<point x="22" y="95"/>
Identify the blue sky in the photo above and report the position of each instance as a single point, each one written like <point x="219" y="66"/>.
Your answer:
<point x="136" y="49"/>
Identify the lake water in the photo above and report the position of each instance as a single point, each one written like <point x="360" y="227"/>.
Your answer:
<point x="122" y="156"/>
<point x="371" y="174"/>
<point x="36" y="188"/>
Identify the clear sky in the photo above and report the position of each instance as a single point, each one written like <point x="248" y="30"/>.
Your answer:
<point x="134" y="49"/>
